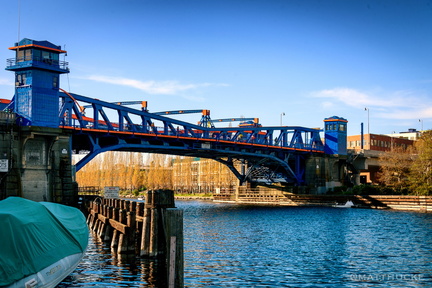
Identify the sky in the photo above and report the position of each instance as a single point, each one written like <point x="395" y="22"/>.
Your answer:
<point x="292" y="62"/>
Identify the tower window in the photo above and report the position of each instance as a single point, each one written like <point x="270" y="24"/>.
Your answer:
<point x="55" y="82"/>
<point x="21" y="79"/>
<point x="37" y="55"/>
<point x="45" y="55"/>
<point x="28" y="55"/>
<point x="20" y="55"/>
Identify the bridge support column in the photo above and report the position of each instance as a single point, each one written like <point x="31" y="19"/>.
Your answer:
<point x="324" y="172"/>
<point x="36" y="164"/>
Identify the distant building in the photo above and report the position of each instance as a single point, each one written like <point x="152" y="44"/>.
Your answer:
<point x="199" y="175"/>
<point x="377" y="142"/>
<point x="364" y="156"/>
<point x="411" y="134"/>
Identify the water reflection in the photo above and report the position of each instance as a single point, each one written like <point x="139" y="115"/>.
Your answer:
<point x="228" y="245"/>
<point x="245" y="246"/>
<point x="102" y="267"/>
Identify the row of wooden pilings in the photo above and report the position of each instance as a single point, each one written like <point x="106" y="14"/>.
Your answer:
<point x="151" y="229"/>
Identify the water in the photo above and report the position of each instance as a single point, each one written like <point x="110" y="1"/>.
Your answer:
<point x="229" y="245"/>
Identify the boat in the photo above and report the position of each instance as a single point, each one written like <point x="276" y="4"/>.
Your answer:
<point x="348" y="204"/>
<point x="41" y="242"/>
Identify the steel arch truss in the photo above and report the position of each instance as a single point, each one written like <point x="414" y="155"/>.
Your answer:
<point x="272" y="154"/>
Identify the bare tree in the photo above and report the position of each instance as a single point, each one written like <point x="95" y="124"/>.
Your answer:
<point x="395" y="168"/>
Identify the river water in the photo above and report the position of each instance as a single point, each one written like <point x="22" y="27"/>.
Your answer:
<point x="228" y="245"/>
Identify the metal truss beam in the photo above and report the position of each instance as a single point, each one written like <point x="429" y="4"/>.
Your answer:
<point x="115" y="127"/>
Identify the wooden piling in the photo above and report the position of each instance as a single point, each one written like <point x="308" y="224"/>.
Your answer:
<point x="174" y="237"/>
<point x="153" y="229"/>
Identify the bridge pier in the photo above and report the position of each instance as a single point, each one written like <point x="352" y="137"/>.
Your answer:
<point x="35" y="163"/>
<point x="325" y="172"/>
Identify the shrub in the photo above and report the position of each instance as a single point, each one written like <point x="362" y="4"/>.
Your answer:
<point x="365" y="189"/>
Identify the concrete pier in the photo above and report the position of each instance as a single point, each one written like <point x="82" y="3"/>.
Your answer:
<point x="35" y="163"/>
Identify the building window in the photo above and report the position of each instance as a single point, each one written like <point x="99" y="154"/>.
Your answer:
<point x="28" y="55"/>
<point x="55" y="82"/>
<point x="21" y="79"/>
<point x="37" y="55"/>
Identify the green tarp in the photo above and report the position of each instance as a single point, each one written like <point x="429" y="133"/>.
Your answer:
<point x="34" y="235"/>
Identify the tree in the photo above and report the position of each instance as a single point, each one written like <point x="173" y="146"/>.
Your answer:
<point x="421" y="170"/>
<point x="160" y="172"/>
<point x="395" y="168"/>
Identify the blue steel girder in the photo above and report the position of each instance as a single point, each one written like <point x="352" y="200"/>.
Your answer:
<point x="274" y="147"/>
<point x="285" y="161"/>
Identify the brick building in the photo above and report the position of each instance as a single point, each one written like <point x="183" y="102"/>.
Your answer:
<point x="365" y="157"/>
<point x="377" y="142"/>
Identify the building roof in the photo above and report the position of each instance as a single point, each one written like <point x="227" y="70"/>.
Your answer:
<point x="335" y="118"/>
<point x="46" y="45"/>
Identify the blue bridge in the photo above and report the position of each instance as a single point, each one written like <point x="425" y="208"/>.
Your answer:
<point x="270" y="154"/>
<point x="278" y="149"/>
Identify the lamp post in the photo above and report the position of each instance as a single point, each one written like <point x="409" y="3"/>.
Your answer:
<point x="367" y="109"/>
<point x="282" y="114"/>
<point x="421" y="121"/>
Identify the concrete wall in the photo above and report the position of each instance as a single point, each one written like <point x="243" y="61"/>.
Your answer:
<point x="38" y="164"/>
<point x="324" y="173"/>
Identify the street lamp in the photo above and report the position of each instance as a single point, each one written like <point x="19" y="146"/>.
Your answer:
<point x="421" y="121"/>
<point x="367" y="109"/>
<point x="282" y="114"/>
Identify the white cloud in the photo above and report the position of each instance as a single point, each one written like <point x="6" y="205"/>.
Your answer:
<point x="404" y="104"/>
<point x="327" y="104"/>
<point x="151" y="87"/>
<point x="423" y="113"/>
<point x="6" y="82"/>
<point x="355" y="98"/>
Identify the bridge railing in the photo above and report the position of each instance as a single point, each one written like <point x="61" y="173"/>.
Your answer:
<point x="133" y="121"/>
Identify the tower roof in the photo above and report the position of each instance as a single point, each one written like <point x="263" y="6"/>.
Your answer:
<point x="45" y="45"/>
<point x="335" y="118"/>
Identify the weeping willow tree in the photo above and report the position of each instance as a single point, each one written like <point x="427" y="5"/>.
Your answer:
<point x="131" y="171"/>
<point x="159" y="174"/>
<point x="193" y="175"/>
<point x="125" y="170"/>
<point x="184" y="174"/>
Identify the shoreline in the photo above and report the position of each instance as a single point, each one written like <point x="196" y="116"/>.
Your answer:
<point x="422" y="204"/>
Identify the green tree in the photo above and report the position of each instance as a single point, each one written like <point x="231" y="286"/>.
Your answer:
<point x="421" y="170"/>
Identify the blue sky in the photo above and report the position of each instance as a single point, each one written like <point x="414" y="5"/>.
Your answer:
<point x="253" y="58"/>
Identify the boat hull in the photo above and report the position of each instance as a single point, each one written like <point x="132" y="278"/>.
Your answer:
<point x="50" y="276"/>
<point x="41" y="242"/>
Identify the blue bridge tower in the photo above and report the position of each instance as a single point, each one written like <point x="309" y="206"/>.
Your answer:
<point x="37" y="69"/>
<point x="31" y="141"/>
<point x="335" y="135"/>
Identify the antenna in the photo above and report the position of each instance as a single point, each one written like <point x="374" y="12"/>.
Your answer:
<point x="19" y="19"/>
<point x="67" y="75"/>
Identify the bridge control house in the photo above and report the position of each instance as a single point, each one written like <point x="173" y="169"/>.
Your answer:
<point x="35" y="152"/>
